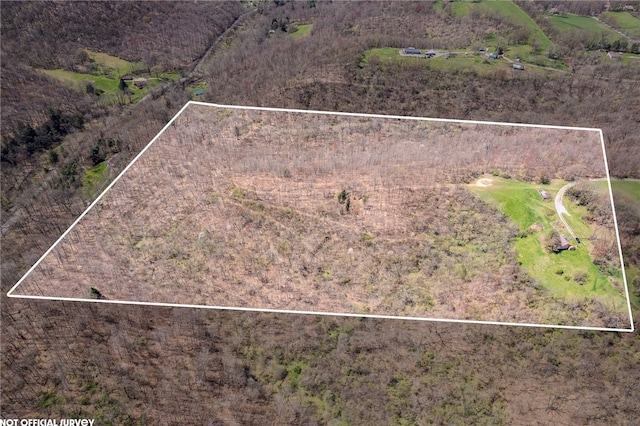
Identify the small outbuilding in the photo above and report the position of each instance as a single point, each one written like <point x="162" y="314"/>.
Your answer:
<point x="140" y="83"/>
<point x="564" y="244"/>
<point x="544" y="194"/>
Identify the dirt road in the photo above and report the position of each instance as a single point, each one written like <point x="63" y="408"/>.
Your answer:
<point x="561" y="210"/>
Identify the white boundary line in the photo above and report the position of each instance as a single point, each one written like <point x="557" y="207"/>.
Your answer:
<point x="286" y="311"/>
<point x="9" y="293"/>
<point x="283" y="311"/>
<point x="615" y="224"/>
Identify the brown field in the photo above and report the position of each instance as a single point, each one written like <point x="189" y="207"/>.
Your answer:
<point x="242" y="208"/>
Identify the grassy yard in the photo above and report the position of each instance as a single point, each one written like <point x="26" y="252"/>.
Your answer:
<point x="625" y="22"/>
<point x="507" y="9"/>
<point x="113" y="64"/>
<point x="512" y="13"/>
<point x="574" y="22"/>
<point x="303" y="30"/>
<point x="630" y="188"/>
<point x="107" y="86"/>
<point x="79" y="81"/>
<point x="382" y="53"/>
<point x="104" y="78"/>
<point x="541" y="59"/>
<point x="93" y="180"/>
<point x="566" y="274"/>
<point x="470" y="62"/>
<point x="629" y="192"/>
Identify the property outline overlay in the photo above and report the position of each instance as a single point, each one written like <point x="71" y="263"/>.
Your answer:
<point x="285" y="311"/>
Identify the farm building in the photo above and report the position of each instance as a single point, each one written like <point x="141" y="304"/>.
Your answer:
<point x="544" y="194"/>
<point x="564" y="244"/>
<point x="614" y="55"/>
<point x="140" y="83"/>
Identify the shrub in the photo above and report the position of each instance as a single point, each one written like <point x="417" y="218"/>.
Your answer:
<point x="580" y="277"/>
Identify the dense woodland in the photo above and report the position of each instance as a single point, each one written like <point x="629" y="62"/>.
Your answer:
<point x="144" y="365"/>
<point x="295" y="211"/>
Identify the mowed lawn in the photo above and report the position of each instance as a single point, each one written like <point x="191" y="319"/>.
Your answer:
<point x="107" y="85"/>
<point x="93" y="179"/>
<point x="507" y="9"/>
<point x="625" y="22"/>
<point x="574" y="22"/>
<point x="303" y="30"/>
<point x="470" y="62"/>
<point x="568" y="273"/>
<point x="118" y="65"/>
<point x="80" y="80"/>
<point x="629" y="192"/>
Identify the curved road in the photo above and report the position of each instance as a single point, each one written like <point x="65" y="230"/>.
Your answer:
<point x="560" y="208"/>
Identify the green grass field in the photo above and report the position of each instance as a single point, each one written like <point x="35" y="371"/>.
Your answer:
<point x="382" y="53"/>
<point x="470" y="62"/>
<point x="625" y="22"/>
<point x="79" y="81"/>
<point x="566" y="274"/>
<point x="93" y="180"/>
<point x="512" y="13"/>
<point x="105" y="78"/>
<point x="507" y="9"/>
<point x="303" y="30"/>
<point x="630" y="188"/>
<point x="112" y="64"/>
<point x="629" y="192"/>
<point x="574" y="22"/>
<point x="109" y="85"/>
